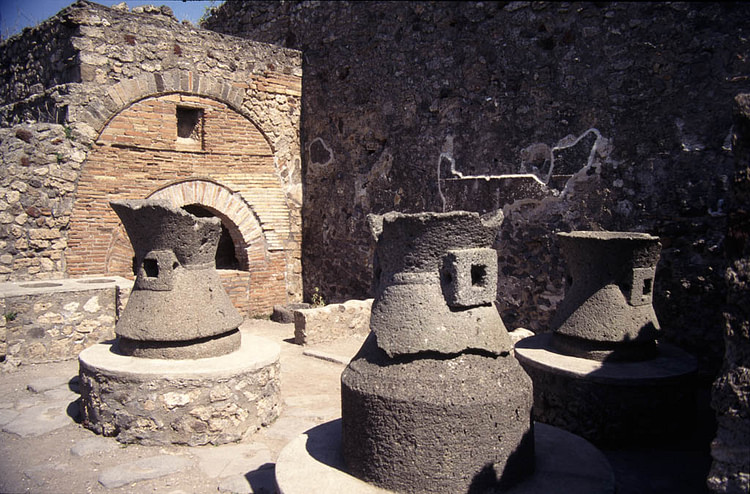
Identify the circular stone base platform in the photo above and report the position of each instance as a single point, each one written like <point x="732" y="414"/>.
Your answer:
<point x="193" y="402"/>
<point x="565" y="463"/>
<point x="612" y="403"/>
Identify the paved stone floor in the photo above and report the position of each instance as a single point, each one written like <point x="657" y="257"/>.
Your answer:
<point x="44" y="450"/>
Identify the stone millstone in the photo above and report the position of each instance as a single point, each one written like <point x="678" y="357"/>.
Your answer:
<point x="178" y="308"/>
<point x="607" y="310"/>
<point x="435" y="277"/>
<point x="436" y="425"/>
<point x="197" y="307"/>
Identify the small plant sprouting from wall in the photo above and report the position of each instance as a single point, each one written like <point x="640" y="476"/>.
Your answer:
<point x="209" y="11"/>
<point x="59" y="157"/>
<point x="68" y="133"/>
<point x="10" y="316"/>
<point x="317" y="299"/>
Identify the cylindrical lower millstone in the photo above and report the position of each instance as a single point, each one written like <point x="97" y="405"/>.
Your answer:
<point x="161" y="401"/>
<point x="211" y="346"/>
<point x="436" y="425"/>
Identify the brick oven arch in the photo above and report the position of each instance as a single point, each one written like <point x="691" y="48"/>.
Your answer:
<point x="229" y="206"/>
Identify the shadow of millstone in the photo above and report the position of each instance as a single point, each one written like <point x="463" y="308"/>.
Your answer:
<point x="259" y="481"/>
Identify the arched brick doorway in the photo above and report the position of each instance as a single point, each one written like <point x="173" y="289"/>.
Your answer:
<point x="190" y="150"/>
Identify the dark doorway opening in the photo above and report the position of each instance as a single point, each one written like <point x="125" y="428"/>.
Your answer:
<point x="226" y="256"/>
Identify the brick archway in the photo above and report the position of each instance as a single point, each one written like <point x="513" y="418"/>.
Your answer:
<point x="99" y="112"/>
<point x="235" y="214"/>
<point x="239" y="218"/>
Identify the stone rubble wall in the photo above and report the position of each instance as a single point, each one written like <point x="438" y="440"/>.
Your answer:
<point x="630" y="101"/>
<point x="730" y="472"/>
<point x="49" y="321"/>
<point x="35" y="66"/>
<point x="38" y="175"/>
<point x="327" y="323"/>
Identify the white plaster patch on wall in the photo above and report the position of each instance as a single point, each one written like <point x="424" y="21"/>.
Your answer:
<point x="570" y="141"/>
<point x="534" y="153"/>
<point x="319" y="152"/>
<point x="446" y="154"/>
<point x="449" y="158"/>
<point x="378" y="172"/>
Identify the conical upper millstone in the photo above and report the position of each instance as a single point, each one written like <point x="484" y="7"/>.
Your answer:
<point x="177" y="299"/>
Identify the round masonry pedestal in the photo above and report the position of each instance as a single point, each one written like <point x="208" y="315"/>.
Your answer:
<point x="312" y="462"/>
<point x="193" y="402"/>
<point x="612" y="404"/>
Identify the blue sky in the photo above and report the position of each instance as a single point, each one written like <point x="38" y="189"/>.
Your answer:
<point x="18" y="14"/>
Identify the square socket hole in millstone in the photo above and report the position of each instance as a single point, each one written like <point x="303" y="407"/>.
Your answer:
<point x="641" y="286"/>
<point x="156" y="271"/>
<point x="469" y="277"/>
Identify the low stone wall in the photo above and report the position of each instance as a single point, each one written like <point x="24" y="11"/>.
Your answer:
<point x="332" y="321"/>
<point x="48" y="321"/>
<point x="284" y="314"/>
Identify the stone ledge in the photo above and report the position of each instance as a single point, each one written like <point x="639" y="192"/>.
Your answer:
<point x="671" y="364"/>
<point x="52" y="320"/>
<point x="23" y="288"/>
<point x="614" y="404"/>
<point x="255" y="353"/>
<point x="332" y="321"/>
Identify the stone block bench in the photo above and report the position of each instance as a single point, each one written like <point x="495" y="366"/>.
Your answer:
<point x="333" y="321"/>
<point x="53" y="320"/>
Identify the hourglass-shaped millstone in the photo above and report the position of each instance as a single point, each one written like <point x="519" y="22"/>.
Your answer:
<point x="607" y="311"/>
<point x="435" y="278"/>
<point x="435" y="401"/>
<point x="178" y="308"/>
